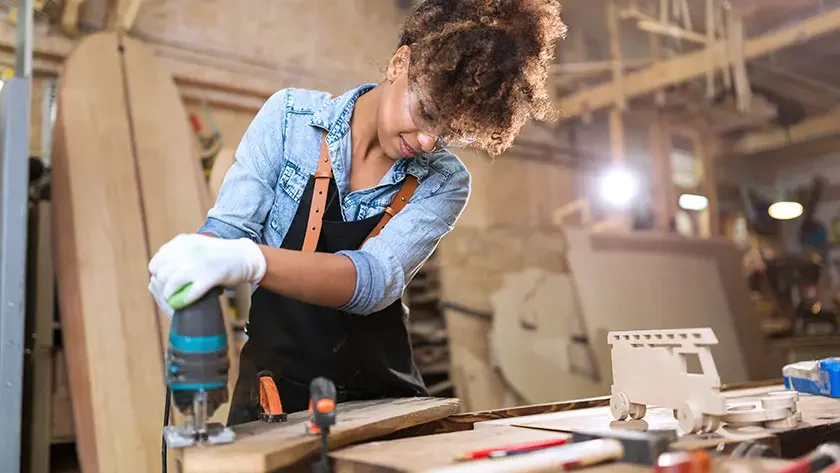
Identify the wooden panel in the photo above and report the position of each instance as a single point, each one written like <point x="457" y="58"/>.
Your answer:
<point x="127" y="180"/>
<point x="428" y="452"/>
<point x="261" y="448"/>
<point x="175" y="196"/>
<point x="658" y="281"/>
<point x="108" y="316"/>
<point x="536" y="322"/>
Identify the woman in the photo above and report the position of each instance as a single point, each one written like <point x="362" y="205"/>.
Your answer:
<point x="334" y="203"/>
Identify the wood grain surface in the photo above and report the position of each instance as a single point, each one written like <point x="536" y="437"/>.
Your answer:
<point x="262" y="448"/>
<point x="435" y="452"/>
<point x="126" y="179"/>
<point x="419" y="454"/>
<point x="111" y="335"/>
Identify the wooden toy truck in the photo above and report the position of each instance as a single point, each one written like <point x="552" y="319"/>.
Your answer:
<point x="651" y="367"/>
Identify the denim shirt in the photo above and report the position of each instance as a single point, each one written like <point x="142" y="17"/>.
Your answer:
<point x="278" y="153"/>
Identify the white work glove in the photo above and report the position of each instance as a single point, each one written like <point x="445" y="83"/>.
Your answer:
<point x="204" y="262"/>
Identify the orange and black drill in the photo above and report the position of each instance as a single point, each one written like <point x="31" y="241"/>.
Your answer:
<point x="322" y="398"/>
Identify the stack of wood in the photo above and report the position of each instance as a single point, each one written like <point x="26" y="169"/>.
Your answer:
<point x="428" y="329"/>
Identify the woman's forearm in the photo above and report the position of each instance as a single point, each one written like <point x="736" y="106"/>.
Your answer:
<point x="324" y="279"/>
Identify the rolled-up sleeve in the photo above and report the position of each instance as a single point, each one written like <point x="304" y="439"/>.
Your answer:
<point x="388" y="262"/>
<point x="247" y="191"/>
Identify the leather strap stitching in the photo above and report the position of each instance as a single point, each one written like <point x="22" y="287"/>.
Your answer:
<point x="319" y="199"/>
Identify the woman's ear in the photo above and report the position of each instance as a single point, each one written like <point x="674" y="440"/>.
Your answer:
<point x="398" y="64"/>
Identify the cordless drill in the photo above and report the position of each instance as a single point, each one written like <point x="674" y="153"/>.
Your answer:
<point x="197" y="367"/>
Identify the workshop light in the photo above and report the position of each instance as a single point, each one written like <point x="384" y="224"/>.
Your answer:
<point x="619" y="187"/>
<point x="693" y="202"/>
<point x="785" y="210"/>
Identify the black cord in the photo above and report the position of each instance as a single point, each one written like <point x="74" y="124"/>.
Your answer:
<point x="165" y="423"/>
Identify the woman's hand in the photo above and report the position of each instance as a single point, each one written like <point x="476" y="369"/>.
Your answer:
<point x="204" y="262"/>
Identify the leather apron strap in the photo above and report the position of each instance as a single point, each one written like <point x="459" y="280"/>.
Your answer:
<point x="322" y="175"/>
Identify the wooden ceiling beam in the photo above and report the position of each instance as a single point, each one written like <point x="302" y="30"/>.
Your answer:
<point x="821" y="126"/>
<point x="690" y="65"/>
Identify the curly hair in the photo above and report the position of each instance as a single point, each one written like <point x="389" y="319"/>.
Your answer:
<point x="484" y="64"/>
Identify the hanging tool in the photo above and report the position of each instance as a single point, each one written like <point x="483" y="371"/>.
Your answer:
<point x="197" y="367"/>
<point x="271" y="409"/>
<point x="322" y="397"/>
<point x="210" y="144"/>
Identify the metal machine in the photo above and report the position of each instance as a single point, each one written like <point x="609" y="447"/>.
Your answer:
<point x="14" y="183"/>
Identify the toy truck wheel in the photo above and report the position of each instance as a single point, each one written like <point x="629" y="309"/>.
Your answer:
<point x="637" y="411"/>
<point x="619" y="406"/>
<point x="710" y="423"/>
<point x="690" y="418"/>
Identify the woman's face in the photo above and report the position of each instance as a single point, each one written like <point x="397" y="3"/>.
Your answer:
<point x="405" y="114"/>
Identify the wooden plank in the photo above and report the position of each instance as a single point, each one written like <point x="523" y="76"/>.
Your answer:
<point x="43" y="310"/>
<point x="827" y="124"/>
<point x="434" y="452"/>
<point x="613" y="31"/>
<point x="420" y="454"/>
<point x="706" y="152"/>
<point x="662" y="184"/>
<point x="108" y="316"/>
<point x="714" y="295"/>
<point x="689" y="65"/>
<point x="124" y="14"/>
<point x="153" y="189"/>
<point x="468" y="420"/>
<point x="175" y="195"/>
<point x="710" y="38"/>
<point x="261" y="448"/>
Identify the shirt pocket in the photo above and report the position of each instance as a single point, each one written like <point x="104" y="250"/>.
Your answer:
<point x="290" y="188"/>
<point x="374" y="207"/>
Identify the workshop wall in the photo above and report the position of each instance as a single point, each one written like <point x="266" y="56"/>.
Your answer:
<point x="307" y="38"/>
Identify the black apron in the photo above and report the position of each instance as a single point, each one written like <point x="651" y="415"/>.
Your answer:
<point x="366" y="356"/>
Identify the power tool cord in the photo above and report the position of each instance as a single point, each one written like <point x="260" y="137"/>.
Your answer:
<point x="165" y="423"/>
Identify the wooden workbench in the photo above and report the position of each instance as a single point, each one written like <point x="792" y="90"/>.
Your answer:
<point x="435" y="444"/>
<point x="262" y="448"/>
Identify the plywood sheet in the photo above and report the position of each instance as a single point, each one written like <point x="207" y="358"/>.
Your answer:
<point x="536" y="319"/>
<point x="110" y="330"/>
<point x="420" y="454"/>
<point x="175" y="196"/>
<point x="262" y="448"/>
<point x="654" y="281"/>
<point x="126" y="179"/>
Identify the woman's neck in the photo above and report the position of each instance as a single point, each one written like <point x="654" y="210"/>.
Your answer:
<point x="368" y="162"/>
<point x="363" y="128"/>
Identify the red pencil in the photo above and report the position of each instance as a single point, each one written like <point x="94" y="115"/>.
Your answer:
<point x="510" y="449"/>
